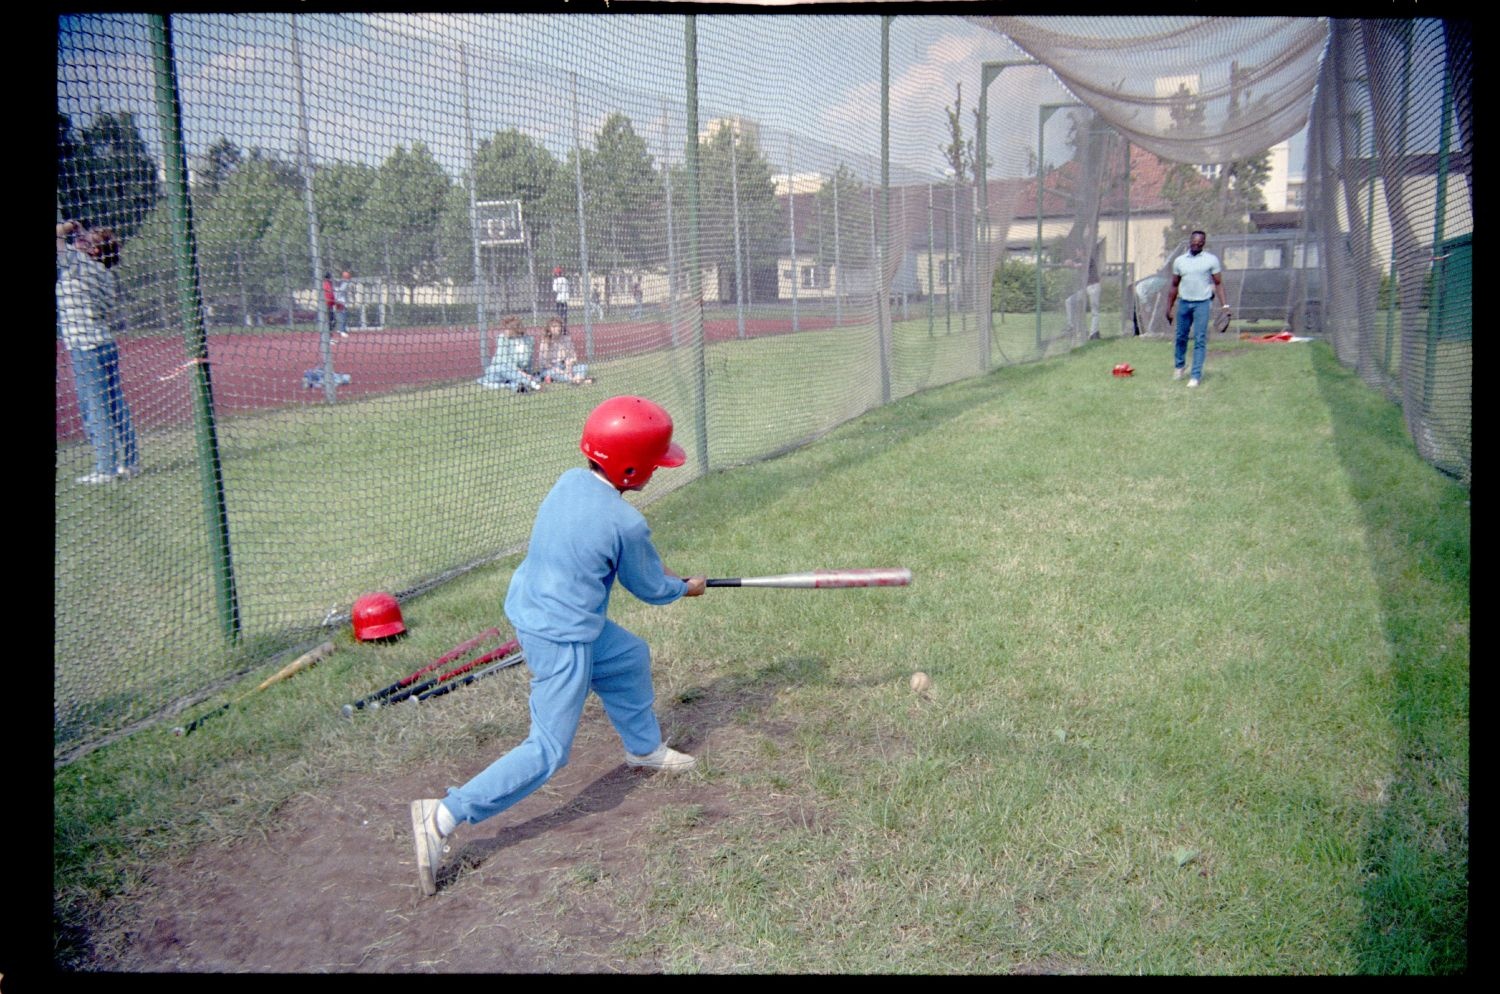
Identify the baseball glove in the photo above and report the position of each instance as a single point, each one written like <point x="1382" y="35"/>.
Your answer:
<point x="1221" y="320"/>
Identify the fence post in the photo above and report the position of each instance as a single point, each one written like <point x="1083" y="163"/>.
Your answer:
<point x="190" y="303"/>
<point x="481" y="285"/>
<point x="734" y="194"/>
<point x="695" y="273"/>
<point x="304" y="157"/>
<point x="583" y="239"/>
<point x="883" y="301"/>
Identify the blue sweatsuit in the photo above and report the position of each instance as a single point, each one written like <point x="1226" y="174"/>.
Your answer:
<point x="585" y="536"/>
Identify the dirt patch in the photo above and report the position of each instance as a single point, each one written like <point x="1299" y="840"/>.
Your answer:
<point x="556" y="884"/>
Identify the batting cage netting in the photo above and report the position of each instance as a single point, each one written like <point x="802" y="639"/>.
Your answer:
<point x="336" y="291"/>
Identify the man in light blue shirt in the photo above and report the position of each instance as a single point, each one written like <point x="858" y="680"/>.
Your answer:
<point x="1195" y="283"/>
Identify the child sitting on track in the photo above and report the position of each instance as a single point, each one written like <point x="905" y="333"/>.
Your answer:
<point x="557" y="360"/>
<point x="507" y="368"/>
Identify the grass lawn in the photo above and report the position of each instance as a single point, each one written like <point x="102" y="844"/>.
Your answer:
<point x="1200" y="663"/>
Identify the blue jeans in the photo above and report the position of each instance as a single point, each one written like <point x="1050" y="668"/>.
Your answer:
<point x="101" y="401"/>
<point x="616" y="666"/>
<point x="1193" y="314"/>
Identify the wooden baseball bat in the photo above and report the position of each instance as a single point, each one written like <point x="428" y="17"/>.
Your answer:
<point x="297" y="665"/>
<point x="822" y="578"/>
<point x="302" y="662"/>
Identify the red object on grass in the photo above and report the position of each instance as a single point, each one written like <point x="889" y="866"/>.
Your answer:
<point x="1123" y="369"/>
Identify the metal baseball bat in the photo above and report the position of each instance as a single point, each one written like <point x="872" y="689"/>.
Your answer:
<point x="446" y="658"/>
<point x="427" y="685"/>
<point x="505" y="663"/>
<point x="822" y="578"/>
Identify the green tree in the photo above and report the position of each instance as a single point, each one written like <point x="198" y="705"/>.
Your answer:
<point x="625" y="199"/>
<point x="1217" y="205"/>
<point x="960" y="150"/>
<point x="845" y="196"/>
<point x="405" y="210"/>
<point x="231" y="230"/>
<point x="348" y="237"/>
<point x="212" y="169"/>
<point x="1221" y="203"/>
<point x="760" y="221"/>
<point x="507" y="166"/>
<point x="106" y="176"/>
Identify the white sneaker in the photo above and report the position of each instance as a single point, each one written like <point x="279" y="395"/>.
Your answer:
<point x="1193" y="382"/>
<point x="97" y="477"/>
<point x="429" y="842"/>
<point x="663" y="758"/>
<point x="1177" y="373"/>
<point x="127" y="472"/>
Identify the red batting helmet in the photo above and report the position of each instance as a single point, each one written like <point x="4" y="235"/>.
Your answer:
<point x="629" y="437"/>
<point x="556" y="270"/>
<point x="377" y="616"/>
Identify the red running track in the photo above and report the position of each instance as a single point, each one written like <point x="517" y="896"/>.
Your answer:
<point x="261" y="370"/>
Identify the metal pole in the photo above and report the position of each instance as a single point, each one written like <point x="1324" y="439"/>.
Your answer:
<point x="1127" y="268"/>
<point x="1041" y="177"/>
<point x="884" y="298"/>
<point x="190" y="304"/>
<point x="1390" y="312"/>
<point x="304" y="155"/>
<point x="1429" y="371"/>
<point x="791" y="200"/>
<point x="838" y="259"/>
<point x="952" y="245"/>
<point x="666" y="169"/>
<point x="931" y="280"/>
<point x="734" y="201"/>
<point x="480" y="287"/>
<point x="695" y="274"/>
<point x="988" y="72"/>
<point x="583" y="239"/>
<point x="1043" y="112"/>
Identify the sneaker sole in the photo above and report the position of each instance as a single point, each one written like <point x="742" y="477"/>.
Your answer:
<point x="663" y="769"/>
<point x="426" y="865"/>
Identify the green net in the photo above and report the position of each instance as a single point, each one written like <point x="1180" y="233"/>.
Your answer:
<point x="322" y="365"/>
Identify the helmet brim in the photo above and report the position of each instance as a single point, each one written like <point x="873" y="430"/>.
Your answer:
<point x="674" y="456"/>
<point x="372" y="632"/>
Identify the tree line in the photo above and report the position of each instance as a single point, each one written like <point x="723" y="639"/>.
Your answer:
<point x="407" y="221"/>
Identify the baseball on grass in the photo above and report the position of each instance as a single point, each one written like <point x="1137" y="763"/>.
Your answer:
<point x="920" y="682"/>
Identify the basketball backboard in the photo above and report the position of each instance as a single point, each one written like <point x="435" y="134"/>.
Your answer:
<point x="499" y="222"/>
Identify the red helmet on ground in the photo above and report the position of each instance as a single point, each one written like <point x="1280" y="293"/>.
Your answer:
<point x="377" y="616"/>
<point x="629" y="437"/>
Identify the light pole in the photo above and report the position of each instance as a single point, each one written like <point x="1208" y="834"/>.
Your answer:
<point x="1043" y="112"/>
<point x="988" y="72"/>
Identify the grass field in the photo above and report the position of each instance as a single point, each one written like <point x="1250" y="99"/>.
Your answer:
<point x="380" y="492"/>
<point x="1201" y="664"/>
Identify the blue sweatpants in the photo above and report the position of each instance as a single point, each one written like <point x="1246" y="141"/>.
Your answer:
<point x="616" y="666"/>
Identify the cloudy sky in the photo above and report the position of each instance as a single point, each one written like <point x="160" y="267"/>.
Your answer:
<point x="810" y="83"/>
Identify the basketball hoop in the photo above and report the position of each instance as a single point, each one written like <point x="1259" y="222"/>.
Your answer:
<point x="499" y="222"/>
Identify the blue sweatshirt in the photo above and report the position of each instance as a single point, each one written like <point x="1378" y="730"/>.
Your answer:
<point x="586" y="534"/>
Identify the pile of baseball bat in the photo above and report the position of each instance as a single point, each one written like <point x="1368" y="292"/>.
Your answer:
<point x="432" y="681"/>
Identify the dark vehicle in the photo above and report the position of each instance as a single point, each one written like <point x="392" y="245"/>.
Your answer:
<point x="1270" y="276"/>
